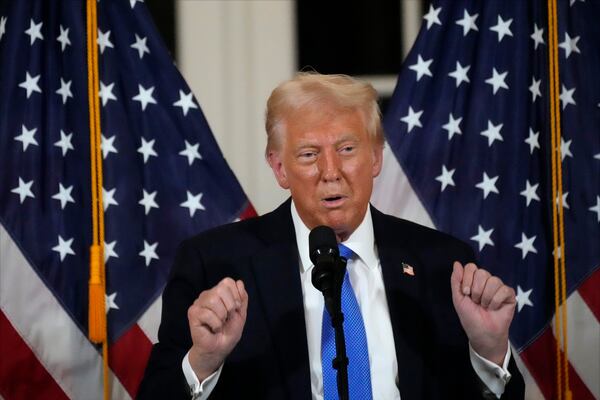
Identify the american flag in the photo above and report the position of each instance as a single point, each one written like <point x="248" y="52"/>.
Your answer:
<point x="164" y="179"/>
<point x="468" y="130"/>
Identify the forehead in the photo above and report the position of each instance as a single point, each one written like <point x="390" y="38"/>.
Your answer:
<point x="327" y="122"/>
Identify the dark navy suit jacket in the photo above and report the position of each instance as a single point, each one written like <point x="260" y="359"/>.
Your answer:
<point x="271" y="359"/>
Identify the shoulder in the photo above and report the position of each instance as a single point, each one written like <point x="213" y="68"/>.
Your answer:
<point x="241" y="237"/>
<point x="391" y="230"/>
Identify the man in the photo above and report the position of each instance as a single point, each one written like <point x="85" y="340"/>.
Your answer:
<point x="242" y="320"/>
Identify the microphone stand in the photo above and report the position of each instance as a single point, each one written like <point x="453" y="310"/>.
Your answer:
<point x="334" y="307"/>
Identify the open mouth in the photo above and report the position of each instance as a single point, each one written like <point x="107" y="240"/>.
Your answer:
<point x="333" y="201"/>
<point x="333" y="198"/>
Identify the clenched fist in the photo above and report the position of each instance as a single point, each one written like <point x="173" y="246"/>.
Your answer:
<point x="216" y="320"/>
<point x="485" y="307"/>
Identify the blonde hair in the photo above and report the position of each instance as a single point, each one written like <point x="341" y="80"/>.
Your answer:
<point x="310" y="90"/>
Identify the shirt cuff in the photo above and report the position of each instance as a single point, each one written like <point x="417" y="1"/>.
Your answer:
<point x="493" y="377"/>
<point x="199" y="390"/>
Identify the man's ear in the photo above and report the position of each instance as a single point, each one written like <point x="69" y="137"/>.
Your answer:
<point x="377" y="159"/>
<point x="276" y="164"/>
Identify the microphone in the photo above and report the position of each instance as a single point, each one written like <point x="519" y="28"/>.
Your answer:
<point x="327" y="277"/>
<point x="324" y="254"/>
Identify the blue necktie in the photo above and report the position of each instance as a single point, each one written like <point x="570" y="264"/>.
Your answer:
<point x="359" y="375"/>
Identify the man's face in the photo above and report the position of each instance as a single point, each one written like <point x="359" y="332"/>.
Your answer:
<point x="328" y="161"/>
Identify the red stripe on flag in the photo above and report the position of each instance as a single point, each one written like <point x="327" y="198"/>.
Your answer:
<point x="248" y="212"/>
<point x="22" y="376"/>
<point x="540" y="359"/>
<point x="590" y="293"/>
<point x="128" y="356"/>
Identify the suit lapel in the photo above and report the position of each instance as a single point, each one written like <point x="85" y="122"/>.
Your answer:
<point x="403" y="296"/>
<point x="277" y="276"/>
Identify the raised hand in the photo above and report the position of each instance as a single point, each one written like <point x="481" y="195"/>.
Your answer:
<point x="485" y="307"/>
<point x="216" y="320"/>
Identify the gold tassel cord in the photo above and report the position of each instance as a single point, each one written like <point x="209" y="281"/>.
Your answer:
<point x="97" y="282"/>
<point x="560" y="295"/>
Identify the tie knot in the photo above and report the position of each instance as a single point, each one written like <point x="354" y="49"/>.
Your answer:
<point x="345" y="251"/>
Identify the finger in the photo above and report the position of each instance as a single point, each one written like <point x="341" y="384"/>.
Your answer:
<point x="231" y="284"/>
<point x="225" y="292"/>
<point x="504" y="295"/>
<point x="211" y="300"/>
<point x="199" y="316"/>
<point x="243" y="296"/>
<point x="489" y="291"/>
<point x="480" y="277"/>
<point x="467" y="279"/>
<point x="210" y="320"/>
<point x="455" y="280"/>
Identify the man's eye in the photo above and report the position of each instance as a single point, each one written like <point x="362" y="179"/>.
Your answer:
<point x="348" y="149"/>
<point x="308" y="154"/>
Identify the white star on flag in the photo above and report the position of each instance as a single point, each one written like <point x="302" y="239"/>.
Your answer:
<point x="596" y="208"/>
<point x="432" y="16"/>
<point x="185" y="102"/>
<point x="522" y="298"/>
<point x="148" y="201"/>
<point x="483" y="237"/>
<point x="65" y="142"/>
<point x="147" y="149"/>
<point x="27" y="137"/>
<point x="30" y="84"/>
<point x="468" y="22"/>
<point x="412" y="119"/>
<point x="535" y="89"/>
<point x="526" y="245"/>
<point x="497" y="80"/>
<point x="460" y="74"/>
<point x="193" y="203"/>
<point x="492" y="133"/>
<point x="530" y="192"/>
<point x="421" y="67"/>
<point x="566" y="96"/>
<point x="565" y="149"/>
<point x="2" y="27"/>
<point x="24" y="190"/>
<point x="537" y="36"/>
<point x="109" y="250"/>
<point x="133" y="2"/>
<point x="191" y="152"/>
<point x="110" y="303"/>
<point x="144" y="96"/>
<point x="488" y="185"/>
<point x="149" y="252"/>
<point x="452" y="126"/>
<point x="64" y="247"/>
<point x="446" y="178"/>
<point x="108" y="198"/>
<point x="532" y="140"/>
<point x="106" y="93"/>
<point x="107" y="146"/>
<point x="140" y="46"/>
<point x="564" y="200"/>
<point x="570" y="45"/>
<point x="63" y="38"/>
<point x="64" y="195"/>
<point x="65" y="90"/>
<point x="502" y="28"/>
<point x="104" y="40"/>
<point x="34" y="31"/>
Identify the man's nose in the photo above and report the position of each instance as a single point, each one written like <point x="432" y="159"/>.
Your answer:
<point x="330" y="166"/>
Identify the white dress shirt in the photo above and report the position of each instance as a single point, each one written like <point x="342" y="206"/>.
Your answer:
<point x="366" y="278"/>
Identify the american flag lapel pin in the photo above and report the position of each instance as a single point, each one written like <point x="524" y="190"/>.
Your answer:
<point x="408" y="270"/>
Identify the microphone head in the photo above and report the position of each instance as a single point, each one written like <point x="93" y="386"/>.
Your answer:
<point x="322" y="241"/>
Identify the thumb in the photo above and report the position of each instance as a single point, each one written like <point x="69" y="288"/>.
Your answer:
<point x="455" y="282"/>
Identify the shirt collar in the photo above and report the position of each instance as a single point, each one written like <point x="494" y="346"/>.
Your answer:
<point x="361" y="241"/>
